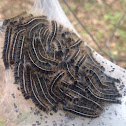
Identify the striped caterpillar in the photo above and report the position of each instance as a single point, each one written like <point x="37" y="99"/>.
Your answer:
<point x="54" y="68"/>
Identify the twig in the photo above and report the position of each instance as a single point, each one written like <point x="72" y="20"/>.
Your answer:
<point x="84" y="27"/>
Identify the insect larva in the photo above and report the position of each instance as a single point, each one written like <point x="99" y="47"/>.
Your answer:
<point x="36" y="98"/>
<point x="6" y="47"/>
<point x="79" y="89"/>
<point x="16" y="71"/>
<point x="54" y="55"/>
<point x="58" y="45"/>
<point x="54" y="82"/>
<point x="69" y="73"/>
<point x="49" y="60"/>
<point x="112" y="79"/>
<point x="43" y="91"/>
<point x="53" y="33"/>
<point x="84" y="109"/>
<point x="60" y="28"/>
<point x="76" y="44"/>
<point x="28" y="74"/>
<point x="23" y="83"/>
<point x="43" y="34"/>
<point x="5" y="22"/>
<point x="59" y="53"/>
<point x="40" y="24"/>
<point x="112" y="86"/>
<point x="65" y="84"/>
<point x="48" y="91"/>
<point x="14" y="46"/>
<point x="46" y="40"/>
<point x="94" y="75"/>
<point x="31" y="47"/>
<point x="91" y="58"/>
<point x="61" y="95"/>
<point x="78" y="64"/>
<point x="80" y="113"/>
<point x="80" y="61"/>
<point x="104" y="99"/>
<point x="93" y="102"/>
<point x="22" y="46"/>
<point x="19" y="49"/>
<point x="22" y="19"/>
<point x="75" y="55"/>
<point x="54" y="108"/>
<point x="105" y="91"/>
<point x="98" y="72"/>
<point x="64" y="34"/>
<point x="94" y="62"/>
<point x="90" y="83"/>
<point x="66" y="57"/>
<point x="98" y="80"/>
<point x="30" y="22"/>
<point x="42" y="70"/>
<point x="54" y="70"/>
<point x="94" y="67"/>
<point x="65" y="95"/>
<point x="11" y="49"/>
<point x="76" y="102"/>
<point x="18" y="59"/>
<point x="97" y="93"/>
<point x="34" y="53"/>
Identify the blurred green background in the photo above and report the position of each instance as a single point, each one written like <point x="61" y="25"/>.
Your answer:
<point x="99" y="17"/>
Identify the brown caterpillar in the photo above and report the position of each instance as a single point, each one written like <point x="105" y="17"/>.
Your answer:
<point x="54" y="68"/>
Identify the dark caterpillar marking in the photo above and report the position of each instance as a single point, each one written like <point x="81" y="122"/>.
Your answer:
<point x="38" y="25"/>
<point x="75" y="55"/>
<point x="76" y="44"/>
<point x="77" y="112"/>
<point x="6" y="46"/>
<point x="34" y="53"/>
<point x="36" y="98"/>
<point x="18" y="58"/>
<point x="38" y="68"/>
<point x="23" y="82"/>
<point x="14" y="46"/>
<point x="31" y="22"/>
<point x="54" y="82"/>
<point x="53" y="33"/>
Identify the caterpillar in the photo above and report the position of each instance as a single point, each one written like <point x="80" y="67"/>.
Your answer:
<point x="53" y="33"/>
<point x="54" y="68"/>
<point x="6" y="46"/>
<point x="18" y="58"/>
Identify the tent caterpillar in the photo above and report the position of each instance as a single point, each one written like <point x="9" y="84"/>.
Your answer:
<point x="53" y="69"/>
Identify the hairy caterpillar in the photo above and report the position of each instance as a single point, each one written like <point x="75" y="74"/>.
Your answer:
<point x="54" y="68"/>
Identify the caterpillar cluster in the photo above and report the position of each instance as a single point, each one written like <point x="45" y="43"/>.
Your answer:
<point x="54" y="68"/>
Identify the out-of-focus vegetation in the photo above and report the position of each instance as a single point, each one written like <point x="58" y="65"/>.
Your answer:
<point x="10" y="8"/>
<point x="1" y="121"/>
<point x="99" y="16"/>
